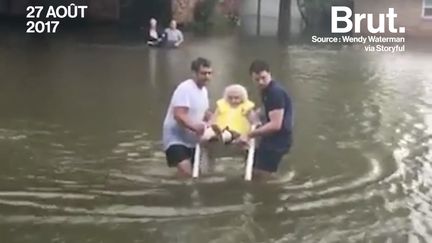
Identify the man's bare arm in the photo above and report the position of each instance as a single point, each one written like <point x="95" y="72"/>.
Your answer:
<point x="274" y="125"/>
<point x="181" y="116"/>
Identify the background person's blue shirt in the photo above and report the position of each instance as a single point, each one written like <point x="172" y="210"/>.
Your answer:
<point x="275" y="97"/>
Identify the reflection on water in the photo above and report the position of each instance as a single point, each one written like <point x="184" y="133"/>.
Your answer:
<point x="81" y="155"/>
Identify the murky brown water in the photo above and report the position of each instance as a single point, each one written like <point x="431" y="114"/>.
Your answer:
<point x="80" y="157"/>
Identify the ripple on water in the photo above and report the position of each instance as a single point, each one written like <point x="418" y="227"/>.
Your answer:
<point x="12" y="135"/>
<point x="45" y="195"/>
<point x="119" y="210"/>
<point x="332" y="192"/>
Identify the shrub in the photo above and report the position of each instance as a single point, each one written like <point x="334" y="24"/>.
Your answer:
<point x="203" y="16"/>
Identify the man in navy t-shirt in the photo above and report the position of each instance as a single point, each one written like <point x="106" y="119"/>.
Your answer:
<point x="276" y="129"/>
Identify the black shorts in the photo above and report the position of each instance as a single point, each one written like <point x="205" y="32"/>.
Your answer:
<point x="177" y="153"/>
<point x="267" y="159"/>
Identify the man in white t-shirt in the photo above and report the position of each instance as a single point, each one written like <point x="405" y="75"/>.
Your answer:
<point x="185" y="118"/>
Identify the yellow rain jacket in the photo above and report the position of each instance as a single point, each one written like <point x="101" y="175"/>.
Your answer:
<point x="235" y="119"/>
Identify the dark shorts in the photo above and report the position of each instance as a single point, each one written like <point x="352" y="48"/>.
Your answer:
<point x="177" y="153"/>
<point x="267" y="159"/>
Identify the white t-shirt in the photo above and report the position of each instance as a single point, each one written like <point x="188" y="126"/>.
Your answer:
<point x="173" y="35"/>
<point x="187" y="94"/>
<point x="154" y="34"/>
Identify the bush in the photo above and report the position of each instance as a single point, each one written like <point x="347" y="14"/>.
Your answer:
<point x="203" y="16"/>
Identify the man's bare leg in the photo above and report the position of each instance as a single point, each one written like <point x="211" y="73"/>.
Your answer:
<point x="184" y="169"/>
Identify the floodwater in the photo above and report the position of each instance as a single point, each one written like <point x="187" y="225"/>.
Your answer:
<point x="81" y="159"/>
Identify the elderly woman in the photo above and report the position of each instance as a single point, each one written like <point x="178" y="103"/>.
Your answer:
<point x="155" y="37"/>
<point x="233" y="116"/>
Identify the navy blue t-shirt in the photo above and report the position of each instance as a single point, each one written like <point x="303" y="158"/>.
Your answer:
<point x="275" y="97"/>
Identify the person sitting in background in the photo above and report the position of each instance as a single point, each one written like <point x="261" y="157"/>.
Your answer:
<point x="154" y="35"/>
<point x="174" y="37"/>
<point x="233" y="116"/>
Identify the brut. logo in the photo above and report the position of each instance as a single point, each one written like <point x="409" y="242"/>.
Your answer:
<point x="336" y="18"/>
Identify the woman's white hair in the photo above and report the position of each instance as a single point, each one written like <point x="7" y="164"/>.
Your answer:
<point x="237" y="88"/>
<point x="153" y="21"/>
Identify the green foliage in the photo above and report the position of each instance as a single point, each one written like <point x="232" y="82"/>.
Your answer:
<point x="207" y="20"/>
<point x="203" y="16"/>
